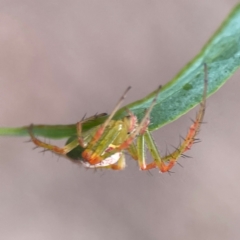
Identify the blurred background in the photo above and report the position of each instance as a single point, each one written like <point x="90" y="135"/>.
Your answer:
<point x="62" y="59"/>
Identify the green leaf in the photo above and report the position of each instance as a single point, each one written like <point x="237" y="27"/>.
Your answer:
<point x="53" y="131"/>
<point x="222" y="56"/>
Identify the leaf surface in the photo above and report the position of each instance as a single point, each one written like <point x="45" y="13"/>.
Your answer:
<point x="181" y="94"/>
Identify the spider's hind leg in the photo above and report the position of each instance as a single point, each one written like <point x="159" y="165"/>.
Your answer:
<point x="167" y="162"/>
<point x="194" y="129"/>
<point x="58" y="150"/>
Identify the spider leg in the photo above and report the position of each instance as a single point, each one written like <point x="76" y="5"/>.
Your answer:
<point x="79" y="135"/>
<point x="79" y="127"/>
<point x="137" y="151"/>
<point x="101" y="129"/>
<point x="158" y="162"/>
<point x="167" y="162"/>
<point x="58" y="150"/>
<point x="141" y="128"/>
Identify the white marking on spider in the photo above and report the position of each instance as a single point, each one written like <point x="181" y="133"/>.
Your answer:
<point x="105" y="162"/>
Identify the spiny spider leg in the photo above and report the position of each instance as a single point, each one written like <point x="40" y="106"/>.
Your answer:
<point x="166" y="163"/>
<point x="100" y="130"/>
<point x="59" y="150"/>
<point x="142" y="127"/>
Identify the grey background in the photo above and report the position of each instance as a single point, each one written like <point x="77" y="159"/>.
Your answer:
<point x="62" y="59"/>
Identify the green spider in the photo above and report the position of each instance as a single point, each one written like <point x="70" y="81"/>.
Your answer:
<point x="104" y="146"/>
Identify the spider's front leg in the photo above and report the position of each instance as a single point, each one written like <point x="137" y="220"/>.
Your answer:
<point x="101" y="137"/>
<point x="102" y="128"/>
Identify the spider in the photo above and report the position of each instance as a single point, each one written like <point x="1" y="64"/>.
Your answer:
<point x="104" y="146"/>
